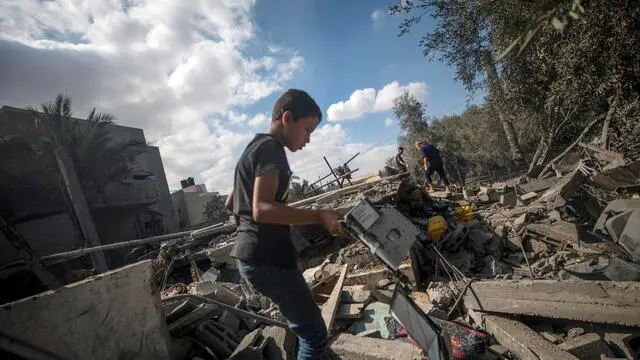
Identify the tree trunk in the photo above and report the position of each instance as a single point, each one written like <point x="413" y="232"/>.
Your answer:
<point x="80" y="207"/>
<point x="497" y="93"/>
<point x="25" y="252"/>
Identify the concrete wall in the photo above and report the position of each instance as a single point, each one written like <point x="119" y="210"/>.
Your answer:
<point x="152" y="162"/>
<point x="190" y="205"/>
<point x="116" y="315"/>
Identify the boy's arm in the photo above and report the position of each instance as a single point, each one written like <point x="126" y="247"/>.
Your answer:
<point x="228" y="204"/>
<point x="425" y="162"/>
<point x="267" y="210"/>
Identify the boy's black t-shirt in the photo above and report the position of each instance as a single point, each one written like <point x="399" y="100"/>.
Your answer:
<point x="257" y="243"/>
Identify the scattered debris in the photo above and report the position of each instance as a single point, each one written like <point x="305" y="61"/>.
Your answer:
<point x="542" y="269"/>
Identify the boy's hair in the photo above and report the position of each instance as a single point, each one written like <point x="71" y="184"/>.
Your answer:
<point x="400" y="148"/>
<point x="299" y="103"/>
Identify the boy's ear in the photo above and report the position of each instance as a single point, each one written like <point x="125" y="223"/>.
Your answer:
<point x="287" y="117"/>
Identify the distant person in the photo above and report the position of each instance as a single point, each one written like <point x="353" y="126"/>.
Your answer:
<point x="432" y="162"/>
<point x="400" y="164"/>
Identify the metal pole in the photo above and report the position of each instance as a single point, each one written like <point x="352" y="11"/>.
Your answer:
<point x="353" y="157"/>
<point x="334" y="180"/>
<point x="81" y="252"/>
<point x="330" y="168"/>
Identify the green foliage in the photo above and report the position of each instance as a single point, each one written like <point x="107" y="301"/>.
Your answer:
<point x="556" y="13"/>
<point x="214" y="208"/>
<point x="577" y="61"/>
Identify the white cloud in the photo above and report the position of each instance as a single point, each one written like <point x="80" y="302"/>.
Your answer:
<point x="332" y="141"/>
<point x="389" y="121"/>
<point x="369" y="100"/>
<point x="259" y="120"/>
<point x="179" y="70"/>
<point x="376" y="16"/>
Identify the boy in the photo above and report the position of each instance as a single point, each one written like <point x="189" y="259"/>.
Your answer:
<point x="402" y="166"/>
<point x="432" y="162"/>
<point x="263" y="249"/>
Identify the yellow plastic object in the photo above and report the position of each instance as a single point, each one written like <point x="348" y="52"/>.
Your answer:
<point x="436" y="226"/>
<point x="464" y="213"/>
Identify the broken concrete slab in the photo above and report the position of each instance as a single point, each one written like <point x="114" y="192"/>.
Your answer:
<point x="353" y="347"/>
<point x="92" y="319"/>
<point x="355" y="294"/>
<point x="620" y="176"/>
<point x="586" y="347"/>
<point x="561" y="192"/>
<point x="603" y="268"/>
<point x="508" y="199"/>
<point x="538" y="185"/>
<point x="630" y="237"/>
<point x="561" y="231"/>
<point x="528" y="197"/>
<point x="281" y="343"/>
<point x="584" y="301"/>
<point x="519" y="338"/>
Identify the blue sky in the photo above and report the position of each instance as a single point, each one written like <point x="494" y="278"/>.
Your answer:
<point x="200" y="76"/>
<point x="345" y="50"/>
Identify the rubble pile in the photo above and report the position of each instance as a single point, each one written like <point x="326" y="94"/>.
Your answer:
<point x="520" y="269"/>
<point x="514" y="270"/>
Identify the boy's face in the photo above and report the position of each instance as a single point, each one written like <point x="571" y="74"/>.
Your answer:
<point x="298" y="133"/>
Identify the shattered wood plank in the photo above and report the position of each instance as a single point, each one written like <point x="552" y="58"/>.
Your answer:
<point x="594" y="301"/>
<point x="519" y="338"/>
<point x="561" y="231"/>
<point x="331" y="306"/>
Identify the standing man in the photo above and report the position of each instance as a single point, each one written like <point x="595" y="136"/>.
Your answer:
<point x="432" y="162"/>
<point x="400" y="164"/>
<point x="265" y="255"/>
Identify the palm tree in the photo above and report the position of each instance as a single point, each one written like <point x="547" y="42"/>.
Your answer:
<point x="82" y="158"/>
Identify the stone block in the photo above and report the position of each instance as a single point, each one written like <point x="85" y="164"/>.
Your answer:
<point x="115" y="315"/>
<point x="364" y="348"/>
<point x="508" y="199"/>
<point x="586" y="347"/>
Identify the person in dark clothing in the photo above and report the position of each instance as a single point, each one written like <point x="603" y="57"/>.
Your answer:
<point x="400" y="164"/>
<point x="432" y="162"/>
<point x="263" y="249"/>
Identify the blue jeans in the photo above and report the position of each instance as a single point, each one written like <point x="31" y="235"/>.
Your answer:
<point x="287" y="289"/>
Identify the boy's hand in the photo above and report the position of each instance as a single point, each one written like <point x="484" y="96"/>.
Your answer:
<point x="329" y="219"/>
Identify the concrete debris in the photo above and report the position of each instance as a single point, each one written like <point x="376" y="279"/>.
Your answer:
<point x="587" y="347"/>
<point x="440" y="295"/>
<point x="366" y="348"/>
<point x="511" y="256"/>
<point x="583" y="300"/>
